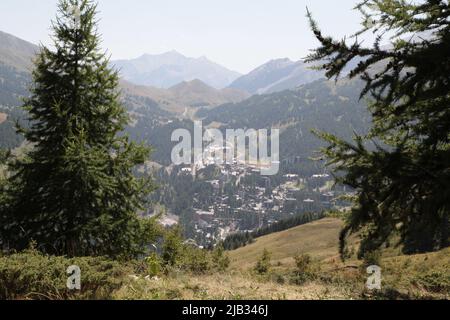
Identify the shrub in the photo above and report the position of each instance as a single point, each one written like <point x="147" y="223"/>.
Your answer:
<point x="304" y="269"/>
<point x="189" y="258"/>
<point x="195" y="260"/>
<point x="437" y="281"/>
<point x="278" y="278"/>
<point x="263" y="264"/>
<point x="303" y="262"/>
<point x="372" y="258"/>
<point x="172" y="247"/>
<point x="31" y="275"/>
<point x="220" y="259"/>
<point x="153" y="265"/>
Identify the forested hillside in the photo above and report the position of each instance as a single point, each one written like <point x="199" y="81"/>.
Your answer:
<point x="321" y="105"/>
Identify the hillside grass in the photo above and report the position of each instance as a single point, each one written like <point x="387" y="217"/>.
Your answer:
<point x="227" y="286"/>
<point x="318" y="238"/>
<point x="424" y="276"/>
<point x="30" y="275"/>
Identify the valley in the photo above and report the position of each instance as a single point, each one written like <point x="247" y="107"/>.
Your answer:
<point x="212" y="201"/>
<point x="228" y="151"/>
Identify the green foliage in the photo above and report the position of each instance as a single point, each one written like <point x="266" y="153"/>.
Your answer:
<point x="195" y="260"/>
<point x="220" y="259"/>
<point x="154" y="265"/>
<point x="242" y="239"/>
<point x="31" y="275"/>
<point x="4" y="156"/>
<point x="190" y="258"/>
<point x="172" y="248"/>
<point x="302" y="262"/>
<point x="75" y="192"/>
<point x="282" y="225"/>
<point x="434" y="281"/>
<point x="372" y="258"/>
<point x="400" y="170"/>
<point x="304" y="269"/>
<point x="263" y="264"/>
<point x="238" y="240"/>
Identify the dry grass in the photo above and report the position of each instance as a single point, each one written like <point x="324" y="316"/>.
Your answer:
<point x="229" y="286"/>
<point x="319" y="239"/>
<point x="424" y="276"/>
<point x="421" y="276"/>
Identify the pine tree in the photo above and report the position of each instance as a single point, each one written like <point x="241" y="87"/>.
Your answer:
<point x="74" y="192"/>
<point x="401" y="169"/>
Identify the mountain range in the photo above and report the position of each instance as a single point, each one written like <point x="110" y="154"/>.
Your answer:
<point x="16" y="57"/>
<point x="170" y="68"/>
<point x="182" y="97"/>
<point x="204" y="83"/>
<point x="277" y="75"/>
<point x="156" y="112"/>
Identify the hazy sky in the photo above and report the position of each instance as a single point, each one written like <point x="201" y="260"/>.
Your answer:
<point x="239" y="34"/>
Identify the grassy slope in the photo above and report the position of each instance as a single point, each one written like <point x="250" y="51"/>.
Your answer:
<point x="319" y="239"/>
<point x="404" y="277"/>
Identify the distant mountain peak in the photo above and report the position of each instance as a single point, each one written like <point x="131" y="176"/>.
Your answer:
<point x="276" y="63"/>
<point x="196" y="83"/>
<point x="166" y="53"/>
<point x="276" y="75"/>
<point x="174" y="53"/>
<point x="170" y="68"/>
<point x="280" y="60"/>
<point x="203" y="58"/>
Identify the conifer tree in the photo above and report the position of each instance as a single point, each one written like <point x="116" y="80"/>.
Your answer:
<point x="74" y="192"/>
<point x="401" y="169"/>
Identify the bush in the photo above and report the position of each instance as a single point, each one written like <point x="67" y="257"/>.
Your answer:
<point x="372" y="258"/>
<point x="195" y="260"/>
<point x="303" y="263"/>
<point x="172" y="249"/>
<point x="189" y="258"/>
<point x="304" y="269"/>
<point x="437" y="281"/>
<point x="153" y="264"/>
<point x="263" y="264"/>
<point x="220" y="259"/>
<point x="31" y="275"/>
<point x="200" y="261"/>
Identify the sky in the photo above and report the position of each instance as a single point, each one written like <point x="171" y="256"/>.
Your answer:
<point x="238" y="34"/>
